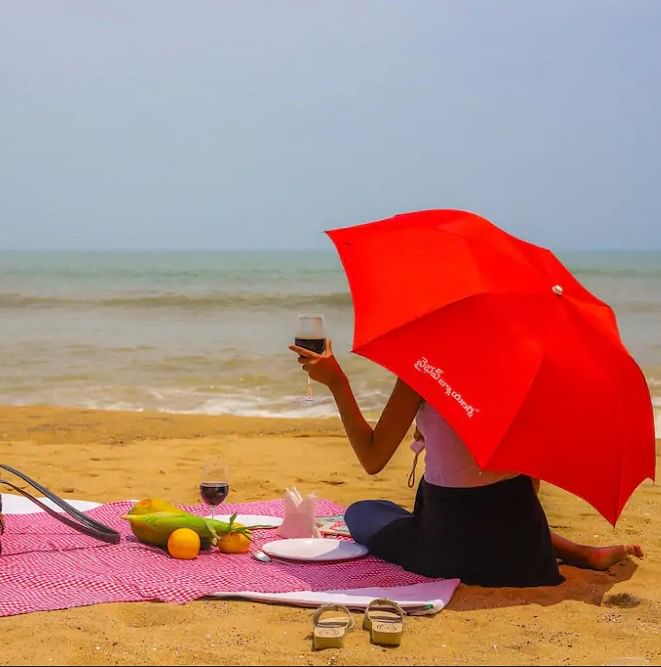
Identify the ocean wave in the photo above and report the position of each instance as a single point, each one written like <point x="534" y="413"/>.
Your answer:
<point x="615" y="272"/>
<point x="208" y="301"/>
<point x="228" y="300"/>
<point x="227" y="405"/>
<point x="229" y="401"/>
<point x="638" y="307"/>
<point x="244" y="402"/>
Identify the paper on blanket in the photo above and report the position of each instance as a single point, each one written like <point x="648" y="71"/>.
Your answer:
<point x="299" y="518"/>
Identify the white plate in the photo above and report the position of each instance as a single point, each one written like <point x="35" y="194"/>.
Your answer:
<point x="251" y="520"/>
<point x="314" y="549"/>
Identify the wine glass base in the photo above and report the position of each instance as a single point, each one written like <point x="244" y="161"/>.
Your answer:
<point x="305" y="400"/>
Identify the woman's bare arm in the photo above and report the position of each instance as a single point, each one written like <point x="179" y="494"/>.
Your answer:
<point x="374" y="447"/>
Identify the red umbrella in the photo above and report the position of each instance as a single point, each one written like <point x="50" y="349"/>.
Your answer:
<point x="522" y="361"/>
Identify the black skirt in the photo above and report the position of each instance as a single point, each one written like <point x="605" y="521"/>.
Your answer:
<point x="494" y="535"/>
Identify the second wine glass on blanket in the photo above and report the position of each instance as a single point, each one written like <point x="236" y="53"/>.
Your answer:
<point x="215" y="486"/>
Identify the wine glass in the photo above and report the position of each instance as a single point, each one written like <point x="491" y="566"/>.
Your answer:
<point x="311" y="334"/>
<point x="214" y="487"/>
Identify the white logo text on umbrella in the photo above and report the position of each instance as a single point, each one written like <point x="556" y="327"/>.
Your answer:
<point x="436" y="373"/>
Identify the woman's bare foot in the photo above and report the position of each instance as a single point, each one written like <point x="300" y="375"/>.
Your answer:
<point x="592" y="558"/>
<point x="603" y="558"/>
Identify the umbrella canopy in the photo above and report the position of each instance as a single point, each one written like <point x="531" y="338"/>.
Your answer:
<point x="523" y="362"/>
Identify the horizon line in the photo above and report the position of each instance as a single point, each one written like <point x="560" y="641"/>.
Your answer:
<point x="328" y="250"/>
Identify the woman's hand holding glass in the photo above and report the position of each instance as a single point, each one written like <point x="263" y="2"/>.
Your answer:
<point x="322" y="368"/>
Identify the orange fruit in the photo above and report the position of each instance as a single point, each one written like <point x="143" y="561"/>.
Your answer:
<point x="234" y="543"/>
<point x="184" y="544"/>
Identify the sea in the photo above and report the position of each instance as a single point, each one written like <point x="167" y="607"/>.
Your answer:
<point x="207" y="332"/>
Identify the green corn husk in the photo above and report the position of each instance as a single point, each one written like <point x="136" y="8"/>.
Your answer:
<point x="156" y="528"/>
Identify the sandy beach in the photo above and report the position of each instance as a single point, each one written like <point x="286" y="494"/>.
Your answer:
<point x="593" y="618"/>
<point x="459" y="195"/>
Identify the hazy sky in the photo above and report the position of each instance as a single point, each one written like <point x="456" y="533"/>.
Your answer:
<point x="193" y="124"/>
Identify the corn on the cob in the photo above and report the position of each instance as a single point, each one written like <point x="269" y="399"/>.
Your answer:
<point x="156" y="528"/>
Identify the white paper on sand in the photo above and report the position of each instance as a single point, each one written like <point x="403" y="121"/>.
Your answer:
<point x="425" y="598"/>
<point x="19" y="505"/>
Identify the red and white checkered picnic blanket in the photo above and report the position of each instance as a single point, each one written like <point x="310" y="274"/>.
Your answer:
<point x="47" y="566"/>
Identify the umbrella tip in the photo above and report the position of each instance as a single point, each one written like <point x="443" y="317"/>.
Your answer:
<point x="557" y="289"/>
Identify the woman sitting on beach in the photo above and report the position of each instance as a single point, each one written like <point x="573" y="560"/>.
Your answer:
<point x="483" y="527"/>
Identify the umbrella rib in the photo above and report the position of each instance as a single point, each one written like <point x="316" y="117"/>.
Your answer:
<point x="416" y="319"/>
<point x="487" y="463"/>
<point x="422" y="316"/>
<point x="516" y="414"/>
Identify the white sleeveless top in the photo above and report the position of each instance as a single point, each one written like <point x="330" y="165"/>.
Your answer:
<point x="448" y="460"/>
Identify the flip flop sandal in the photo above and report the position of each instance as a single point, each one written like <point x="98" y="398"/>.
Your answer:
<point x="330" y="631"/>
<point x="384" y="619"/>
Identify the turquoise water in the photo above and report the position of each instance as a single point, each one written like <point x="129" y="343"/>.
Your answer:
<point x="208" y="332"/>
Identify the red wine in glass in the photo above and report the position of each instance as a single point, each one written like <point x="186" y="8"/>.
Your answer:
<point x="317" y="345"/>
<point x="214" y="493"/>
<point x="214" y="486"/>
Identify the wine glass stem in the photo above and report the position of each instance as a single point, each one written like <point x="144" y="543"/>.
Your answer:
<point x="308" y="390"/>
<point x="213" y="512"/>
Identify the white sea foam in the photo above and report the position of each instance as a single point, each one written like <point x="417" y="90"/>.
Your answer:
<point x="245" y="403"/>
<point x="288" y="408"/>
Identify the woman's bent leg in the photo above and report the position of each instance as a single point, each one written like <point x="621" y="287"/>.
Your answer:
<point x="593" y="558"/>
<point x="368" y="517"/>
